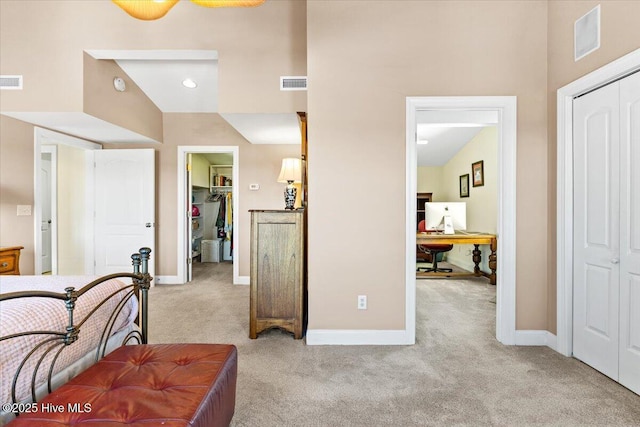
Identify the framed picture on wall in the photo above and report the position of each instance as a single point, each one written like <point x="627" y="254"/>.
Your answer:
<point x="464" y="185"/>
<point x="477" y="170"/>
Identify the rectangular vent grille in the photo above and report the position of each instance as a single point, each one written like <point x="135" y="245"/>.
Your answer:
<point x="293" y="83"/>
<point x="11" y="82"/>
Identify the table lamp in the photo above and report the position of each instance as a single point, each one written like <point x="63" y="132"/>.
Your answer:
<point x="290" y="173"/>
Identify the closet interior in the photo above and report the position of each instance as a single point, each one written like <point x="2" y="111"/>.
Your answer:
<point x="211" y="207"/>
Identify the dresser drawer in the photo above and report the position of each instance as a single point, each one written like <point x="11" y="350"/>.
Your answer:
<point x="7" y="264"/>
<point x="10" y="260"/>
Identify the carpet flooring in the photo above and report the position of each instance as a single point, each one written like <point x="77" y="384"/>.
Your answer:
<point x="455" y="374"/>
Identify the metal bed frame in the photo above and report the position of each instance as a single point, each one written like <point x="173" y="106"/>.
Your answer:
<point x="57" y="341"/>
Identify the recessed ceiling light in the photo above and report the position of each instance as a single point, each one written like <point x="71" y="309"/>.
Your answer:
<point x="423" y="141"/>
<point x="189" y="83"/>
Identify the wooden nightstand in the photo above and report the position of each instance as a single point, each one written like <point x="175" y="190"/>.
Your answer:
<point x="10" y="260"/>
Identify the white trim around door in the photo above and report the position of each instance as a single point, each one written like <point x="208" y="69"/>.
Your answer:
<point x="183" y="150"/>
<point x="505" y="106"/>
<point x="43" y="137"/>
<point x="615" y="70"/>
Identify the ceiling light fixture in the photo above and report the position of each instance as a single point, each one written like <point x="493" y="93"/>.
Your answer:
<point x="149" y="10"/>
<point x="189" y="83"/>
<point x="423" y="141"/>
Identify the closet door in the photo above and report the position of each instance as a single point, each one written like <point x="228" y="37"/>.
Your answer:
<point x="630" y="233"/>
<point x="596" y="242"/>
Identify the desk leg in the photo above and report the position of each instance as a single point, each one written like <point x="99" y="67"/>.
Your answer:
<point x="493" y="261"/>
<point x="476" y="260"/>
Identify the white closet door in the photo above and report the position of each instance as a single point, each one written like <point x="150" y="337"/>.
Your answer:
<point x="630" y="233"/>
<point x="596" y="229"/>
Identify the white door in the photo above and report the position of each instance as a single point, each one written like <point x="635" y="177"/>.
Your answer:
<point x="630" y="235"/>
<point x="595" y="236"/>
<point x="125" y="208"/>
<point x="45" y="225"/>
<point x="606" y="305"/>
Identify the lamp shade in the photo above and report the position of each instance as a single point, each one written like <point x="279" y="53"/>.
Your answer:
<point x="228" y="3"/>
<point x="147" y="10"/>
<point x="290" y="170"/>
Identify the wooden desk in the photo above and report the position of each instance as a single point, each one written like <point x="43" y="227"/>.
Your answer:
<point x="464" y="239"/>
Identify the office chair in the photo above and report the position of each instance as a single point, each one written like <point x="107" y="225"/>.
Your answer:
<point x="433" y="249"/>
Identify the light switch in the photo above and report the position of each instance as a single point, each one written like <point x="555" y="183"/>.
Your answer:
<point x="24" y="210"/>
<point x="254" y="187"/>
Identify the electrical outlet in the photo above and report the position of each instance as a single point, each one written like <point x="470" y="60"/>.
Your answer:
<point x="362" y="302"/>
<point x="254" y="187"/>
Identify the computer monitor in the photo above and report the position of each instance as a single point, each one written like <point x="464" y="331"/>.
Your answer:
<point x="435" y="213"/>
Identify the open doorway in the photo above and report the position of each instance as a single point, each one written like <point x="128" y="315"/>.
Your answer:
<point x="505" y="110"/>
<point x="208" y="208"/>
<point x="65" y="193"/>
<point x="49" y="211"/>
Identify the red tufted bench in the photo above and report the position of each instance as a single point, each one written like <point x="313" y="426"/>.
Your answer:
<point x="146" y="385"/>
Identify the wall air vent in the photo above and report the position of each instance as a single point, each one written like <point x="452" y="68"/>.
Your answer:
<point x="293" y="83"/>
<point x="11" y="82"/>
<point x="586" y="33"/>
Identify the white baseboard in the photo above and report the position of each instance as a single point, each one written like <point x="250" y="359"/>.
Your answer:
<point x="166" y="280"/>
<point x="357" y="337"/>
<point x="241" y="280"/>
<point x="552" y="341"/>
<point x="537" y="338"/>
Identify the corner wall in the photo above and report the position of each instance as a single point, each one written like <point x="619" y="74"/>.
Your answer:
<point x="619" y="35"/>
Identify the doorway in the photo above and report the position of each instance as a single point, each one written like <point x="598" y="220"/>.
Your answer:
<point x="505" y="108"/>
<point x="49" y="203"/>
<point x="189" y="247"/>
<point x="72" y="155"/>
<point x="568" y="255"/>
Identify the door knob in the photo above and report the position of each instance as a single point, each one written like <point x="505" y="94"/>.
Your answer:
<point x="148" y="225"/>
<point x="615" y="261"/>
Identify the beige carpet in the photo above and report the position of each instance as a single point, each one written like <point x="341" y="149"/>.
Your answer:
<point x="456" y="374"/>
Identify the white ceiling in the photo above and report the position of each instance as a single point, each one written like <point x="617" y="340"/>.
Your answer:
<point x="266" y="128"/>
<point x="81" y="125"/>
<point x="447" y="132"/>
<point x="159" y="74"/>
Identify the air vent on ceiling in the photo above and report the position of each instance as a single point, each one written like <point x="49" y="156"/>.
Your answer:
<point x="293" y="83"/>
<point x="11" y="82"/>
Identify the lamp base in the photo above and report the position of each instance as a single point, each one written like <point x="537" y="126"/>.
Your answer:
<point x="290" y="196"/>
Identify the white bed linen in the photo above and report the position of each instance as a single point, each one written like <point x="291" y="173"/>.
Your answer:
<point x="29" y="314"/>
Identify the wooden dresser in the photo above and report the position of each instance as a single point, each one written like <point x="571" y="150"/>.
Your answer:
<point x="10" y="260"/>
<point x="277" y="272"/>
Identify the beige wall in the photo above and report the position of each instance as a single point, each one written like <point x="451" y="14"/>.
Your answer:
<point x="482" y="203"/>
<point x="258" y="164"/>
<point x="45" y="40"/>
<point x="16" y="188"/>
<point x="131" y="109"/>
<point x="619" y="35"/>
<point x="429" y="181"/>
<point x="362" y="64"/>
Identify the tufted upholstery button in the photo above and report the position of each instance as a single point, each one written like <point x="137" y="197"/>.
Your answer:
<point x="144" y="385"/>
